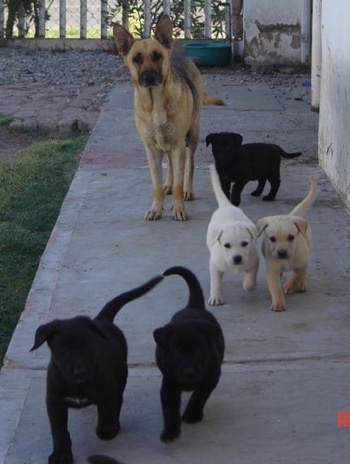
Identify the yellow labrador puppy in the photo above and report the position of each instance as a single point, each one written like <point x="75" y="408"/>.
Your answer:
<point x="286" y="246"/>
<point x="231" y="239"/>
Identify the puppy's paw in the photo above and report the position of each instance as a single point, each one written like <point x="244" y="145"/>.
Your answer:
<point x="256" y="193"/>
<point x="268" y="198"/>
<point x="192" y="416"/>
<point x="170" y="434"/>
<point x="215" y="300"/>
<point x="107" y="432"/>
<point x="294" y="287"/>
<point x="278" y="306"/>
<point x="61" y="457"/>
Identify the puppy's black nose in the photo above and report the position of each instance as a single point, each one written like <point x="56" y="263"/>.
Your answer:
<point x="237" y="259"/>
<point x="282" y="254"/>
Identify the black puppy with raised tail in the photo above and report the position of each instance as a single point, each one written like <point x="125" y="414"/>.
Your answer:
<point x="189" y="353"/>
<point x="88" y="365"/>
<point x="240" y="164"/>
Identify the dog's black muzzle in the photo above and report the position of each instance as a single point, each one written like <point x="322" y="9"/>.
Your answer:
<point x="150" y="79"/>
<point x="237" y="259"/>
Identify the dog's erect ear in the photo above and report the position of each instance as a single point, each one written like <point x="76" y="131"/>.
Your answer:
<point x="164" y="32"/>
<point x="216" y="237"/>
<point x="301" y="224"/>
<point x="43" y="333"/>
<point x="123" y="39"/>
<point x="262" y="224"/>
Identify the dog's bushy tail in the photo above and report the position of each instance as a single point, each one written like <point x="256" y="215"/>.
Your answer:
<point x="295" y="154"/>
<point x="111" y="308"/>
<point x="221" y="198"/>
<point x="196" y="298"/>
<point x="212" y="100"/>
<point x="304" y="205"/>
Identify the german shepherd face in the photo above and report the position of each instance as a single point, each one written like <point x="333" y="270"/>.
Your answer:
<point x="147" y="59"/>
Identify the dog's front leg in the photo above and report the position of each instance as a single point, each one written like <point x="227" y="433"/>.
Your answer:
<point x="178" y="163"/>
<point x="189" y="171"/>
<point x="171" y="402"/>
<point x="62" y="444"/>
<point x="155" y="164"/>
<point x="168" y="185"/>
<point x="274" y="283"/>
<point x="216" y="298"/>
<point x="108" y="411"/>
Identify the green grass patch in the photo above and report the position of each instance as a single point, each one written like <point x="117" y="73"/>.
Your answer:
<point x="5" y="120"/>
<point x="32" y="190"/>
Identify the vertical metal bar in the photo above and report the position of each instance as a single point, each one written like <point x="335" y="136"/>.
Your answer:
<point x="104" y="15"/>
<point x="83" y="19"/>
<point x="166" y="7"/>
<point x="207" y="18"/>
<point x="125" y="15"/>
<point x="187" y="19"/>
<point x="21" y="24"/>
<point x="2" y="19"/>
<point x="42" y="16"/>
<point x="148" y="21"/>
<point x="63" y="19"/>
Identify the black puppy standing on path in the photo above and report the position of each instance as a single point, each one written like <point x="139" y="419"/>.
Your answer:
<point x="88" y="365"/>
<point x="189" y="353"/>
<point x="239" y="164"/>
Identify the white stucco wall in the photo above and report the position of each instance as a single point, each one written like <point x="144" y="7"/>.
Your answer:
<point x="272" y="31"/>
<point x="334" y="121"/>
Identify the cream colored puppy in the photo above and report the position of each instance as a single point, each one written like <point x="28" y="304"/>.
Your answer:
<point x="286" y="246"/>
<point x="231" y="239"/>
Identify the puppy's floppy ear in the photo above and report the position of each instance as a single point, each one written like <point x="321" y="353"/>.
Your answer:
<point x="161" y="335"/>
<point x="253" y="230"/>
<point x="301" y="224"/>
<point x="44" y="332"/>
<point x="262" y="224"/>
<point x="216" y="236"/>
<point x="164" y="32"/>
<point x="209" y="139"/>
<point x="123" y="39"/>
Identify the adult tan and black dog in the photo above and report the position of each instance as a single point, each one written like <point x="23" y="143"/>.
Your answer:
<point x="169" y="94"/>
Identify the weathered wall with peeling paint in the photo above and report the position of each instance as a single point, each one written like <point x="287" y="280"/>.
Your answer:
<point x="334" y="123"/>
<point x="272" y="31"/>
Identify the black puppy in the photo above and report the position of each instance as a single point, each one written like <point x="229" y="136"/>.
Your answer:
<point x="88" y="365"/>
<point x="189" y="353"/>
<point x="239" y="164"/>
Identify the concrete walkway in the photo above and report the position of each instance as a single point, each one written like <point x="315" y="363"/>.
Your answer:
<point x="286" y="375"/>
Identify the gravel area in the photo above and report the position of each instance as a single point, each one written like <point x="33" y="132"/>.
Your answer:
<point x="74" y="69"/>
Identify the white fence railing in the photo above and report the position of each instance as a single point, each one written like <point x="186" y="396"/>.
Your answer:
<point x="92" y="18"/>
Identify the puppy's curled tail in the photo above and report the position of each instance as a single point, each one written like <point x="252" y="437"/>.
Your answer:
<point x="304" y="205"/>
<point x="295" y="154"/>
<point x="111" y="308"/>
<point x="101" y="459"/>
<point x="196" y="298"/>
<point x="212" y="100"/>
<point x="221" y="198"/>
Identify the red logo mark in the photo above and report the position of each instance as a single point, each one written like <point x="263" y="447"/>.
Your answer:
<point x="343" y="419"/>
